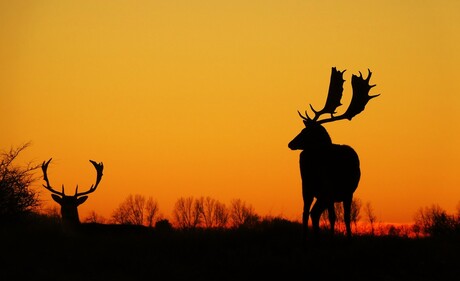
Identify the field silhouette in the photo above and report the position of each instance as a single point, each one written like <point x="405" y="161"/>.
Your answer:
<point x="39" y="250"/>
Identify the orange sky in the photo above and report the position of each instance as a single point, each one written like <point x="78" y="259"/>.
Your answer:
<point x="199" y="98"/>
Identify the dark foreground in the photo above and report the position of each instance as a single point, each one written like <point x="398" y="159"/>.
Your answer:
<point x="272" y="251"/>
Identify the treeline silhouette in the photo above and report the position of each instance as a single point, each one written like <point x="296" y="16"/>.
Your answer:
<point x="210" y="213"/>
<point x="18" y="199"/>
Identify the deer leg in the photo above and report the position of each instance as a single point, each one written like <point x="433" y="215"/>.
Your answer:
<point x="306" y="214"/>
<point x="316" y="212"/>
<point x="347" y="214"/>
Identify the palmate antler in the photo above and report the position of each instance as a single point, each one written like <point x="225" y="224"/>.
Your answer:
<point x="99" y="168"/>
<point x="361" y="97"/>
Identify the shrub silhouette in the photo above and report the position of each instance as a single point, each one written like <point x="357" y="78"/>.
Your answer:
<point x="435" y="221"/>
<point x="17" y="198"/>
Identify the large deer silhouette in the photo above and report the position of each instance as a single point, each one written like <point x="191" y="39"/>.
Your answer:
<point x="69" y="203"/>
<point x="330" y="172"/>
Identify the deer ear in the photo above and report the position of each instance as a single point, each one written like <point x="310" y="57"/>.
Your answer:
<point x="81" y="200"/>
<point x="57" y="198"/>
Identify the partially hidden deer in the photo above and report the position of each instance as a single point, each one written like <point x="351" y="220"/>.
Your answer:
<point x="330" y="172"/>
<point x="69" y="203"/>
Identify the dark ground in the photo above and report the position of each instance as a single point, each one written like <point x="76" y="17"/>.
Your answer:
<point x="272" y="251"/>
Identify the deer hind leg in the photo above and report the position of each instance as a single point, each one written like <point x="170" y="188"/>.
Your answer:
<point x="347" y="214"/>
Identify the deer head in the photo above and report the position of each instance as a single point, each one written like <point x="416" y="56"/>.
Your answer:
<point x="69" y="203"/>
<point x="313" y="131"/>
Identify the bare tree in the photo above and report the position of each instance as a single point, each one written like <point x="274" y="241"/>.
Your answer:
<point x="198" y="210"/>
<point x="326" y="223"/>
<point x="221" y="215"/>
<point x="134" y="206"/>
<point x="213" y="213"/>
<point x="324" y="219"/>
<point x="339" y="215"/>
<point x="187" y="212"/>
<point x="93" y="217"/>
<point x="355" y="215"/>
<point x="208" y="211"/>
<point x="242" y="214"/>
<point x="416" y="230"/>
<point x="120" y="214"/>
<point x="136" y="210"/>
<point x="435" y="221"/>
<point x="370" y="216"/>
<point x="151" y="209"/>
<point x="16" y="195"/>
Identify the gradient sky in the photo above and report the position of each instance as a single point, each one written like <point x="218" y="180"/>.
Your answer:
<point x="200" y="98"/>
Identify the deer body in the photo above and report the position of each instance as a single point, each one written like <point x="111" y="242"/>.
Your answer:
<point x="330" y="172"/>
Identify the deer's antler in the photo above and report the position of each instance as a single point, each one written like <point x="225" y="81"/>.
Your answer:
<point x="45" y="178"/>
<point x="334" y="96"/>
<point x="99" y="168"/>
<point x="360" y="98"/>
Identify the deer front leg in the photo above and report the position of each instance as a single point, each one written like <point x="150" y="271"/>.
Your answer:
<point x="308" y="200"/>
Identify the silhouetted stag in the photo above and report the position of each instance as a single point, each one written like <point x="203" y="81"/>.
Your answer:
<point x="69" y="203"/>
<point x="330" y="172"/>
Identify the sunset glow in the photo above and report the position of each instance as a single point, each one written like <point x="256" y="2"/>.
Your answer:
<point x="200" y="98"/>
